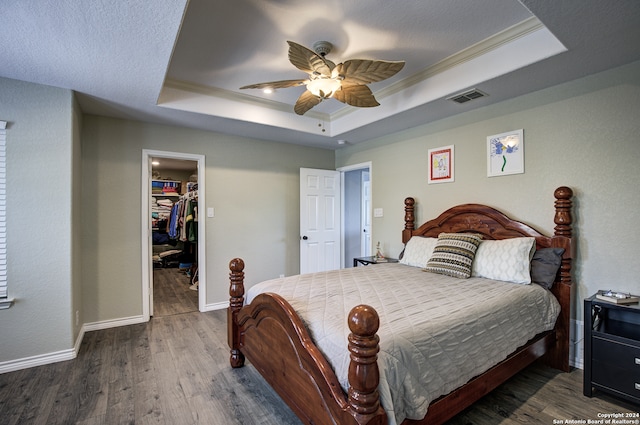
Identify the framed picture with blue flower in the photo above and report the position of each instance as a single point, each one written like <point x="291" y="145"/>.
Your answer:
<point x="505" y="153"/>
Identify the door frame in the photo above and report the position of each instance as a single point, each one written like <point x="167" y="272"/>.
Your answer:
<point x="146" y="233"/>
<point x="361" y="166"/>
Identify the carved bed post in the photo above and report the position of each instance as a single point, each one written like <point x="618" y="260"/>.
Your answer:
<point x="559" y="356"/>
<point x="409" y="219"/>
<point x="563" y="220"/>
<point x="364" y="375"/>
<point x="236" y="301"/>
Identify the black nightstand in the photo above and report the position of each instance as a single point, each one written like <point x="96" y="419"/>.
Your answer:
<point x="372" y="260"/>
<point x="612" y="349"/>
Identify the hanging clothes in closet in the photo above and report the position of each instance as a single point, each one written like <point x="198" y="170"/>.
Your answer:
<point x="183" y="226"/>
<point x="183" y="222"/>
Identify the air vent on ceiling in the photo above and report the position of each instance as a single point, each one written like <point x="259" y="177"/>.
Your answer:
<point x="467" y="96"/>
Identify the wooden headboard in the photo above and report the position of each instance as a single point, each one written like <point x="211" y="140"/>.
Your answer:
<point x="493" y="224"/>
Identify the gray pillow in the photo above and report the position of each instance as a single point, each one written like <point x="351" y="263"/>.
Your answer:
<point x="544" y="266"/>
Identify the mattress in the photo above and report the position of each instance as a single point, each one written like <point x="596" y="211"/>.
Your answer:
<point x="436" y="332"/>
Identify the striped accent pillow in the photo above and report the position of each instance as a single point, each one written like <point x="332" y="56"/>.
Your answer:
<point x="453" y="254"/>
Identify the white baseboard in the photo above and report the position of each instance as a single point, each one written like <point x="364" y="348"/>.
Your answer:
<point x="216" y="306"/>
<point x="71" y="353"/>
<point x="576" y="348"/>
<point x="39" y="360"/>
<point x="114" y="323"/>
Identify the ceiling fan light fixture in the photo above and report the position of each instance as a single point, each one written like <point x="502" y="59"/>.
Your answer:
<point x="345" y="82"/>
<point x="323" y="87"/>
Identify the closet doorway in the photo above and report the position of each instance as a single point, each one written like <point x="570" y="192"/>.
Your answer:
<point x="173" y="233"/>
<point x="356" y="202"/>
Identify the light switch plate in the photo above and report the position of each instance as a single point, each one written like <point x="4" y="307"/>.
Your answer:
<point x="377" y="212"/>
<point x="210" y="212"/>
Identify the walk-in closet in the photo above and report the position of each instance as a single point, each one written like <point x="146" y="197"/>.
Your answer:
<point x="174" y="223"/>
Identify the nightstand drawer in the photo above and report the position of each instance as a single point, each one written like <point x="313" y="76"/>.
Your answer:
<point x="617" y="378"/>
<point x="622" y="355"/>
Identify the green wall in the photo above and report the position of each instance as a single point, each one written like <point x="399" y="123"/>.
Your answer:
<point x="42" y="153"/>
<point x="583" y="134"/>
<point x="253" y="186"/>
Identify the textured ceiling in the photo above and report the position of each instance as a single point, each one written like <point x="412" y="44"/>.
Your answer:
<point x="182" y="63"/>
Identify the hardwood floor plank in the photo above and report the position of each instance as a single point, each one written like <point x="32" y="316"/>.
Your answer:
<point x="172" y="294"/>
<point x="83" y="391"/>
<point x="190" y="367"/>
<point x="206" y="410"/>
<point x="174" y="405"/>
<point x="96" y="420"/>
<point x="38" y="412"/>
<point x="96" y="389"/>
<point x="146" y="392"/>
<point x="121" y="381"/>
<point x="13" y="401"/>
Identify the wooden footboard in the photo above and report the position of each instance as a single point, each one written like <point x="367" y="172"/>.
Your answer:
<point x="272" y="337"/>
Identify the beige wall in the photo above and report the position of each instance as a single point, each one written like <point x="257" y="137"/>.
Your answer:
<point x="77" y="309"/>
<point x="41" y="159"/>
<point x="253" y="186"/>
<point x="583" y="134"/>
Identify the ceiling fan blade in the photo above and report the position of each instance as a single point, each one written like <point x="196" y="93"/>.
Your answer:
<point x="360" y="71"/>
<point x="276" y="84"/>
<point x="309" y="61"/>
<point x="306" y="101"/>
<point x="356" y="95"/>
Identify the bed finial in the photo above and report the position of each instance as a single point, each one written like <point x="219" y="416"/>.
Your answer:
<point x="236" y="301"/>
<point x="364" y="374"/>
<point x="409" y="219"/>
<point x="563" y="205"/>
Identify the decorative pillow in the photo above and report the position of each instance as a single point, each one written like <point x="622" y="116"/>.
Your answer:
<point x="545" y="265"/>
<point x="506" y="259"/>
<point x="418" y="251"/>
<point x="453" y="254"/>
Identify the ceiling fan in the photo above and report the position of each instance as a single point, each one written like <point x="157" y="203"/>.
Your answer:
<point x="346" y="82"/>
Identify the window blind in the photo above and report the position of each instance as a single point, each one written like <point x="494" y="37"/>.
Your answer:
<point x="3" y="210"/>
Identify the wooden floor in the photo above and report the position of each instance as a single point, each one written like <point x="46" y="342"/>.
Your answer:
<point x="172" y="293"/>
<point x="174" y="370"/>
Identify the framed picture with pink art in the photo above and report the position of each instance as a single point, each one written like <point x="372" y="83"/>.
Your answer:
<point x="441" y="168"/>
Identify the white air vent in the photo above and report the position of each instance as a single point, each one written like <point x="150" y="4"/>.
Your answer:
<point x="467" y="96"/>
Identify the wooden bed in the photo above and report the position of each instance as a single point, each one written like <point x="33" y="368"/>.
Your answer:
<point x="269" y="333"/>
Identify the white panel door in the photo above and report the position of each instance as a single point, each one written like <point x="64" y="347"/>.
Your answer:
<point x="319" y="220"/>
<point x="365" y="243"/>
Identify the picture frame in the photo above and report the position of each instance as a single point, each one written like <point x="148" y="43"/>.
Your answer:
<point x="441" y="165"/>
<point x="505" y="153"/>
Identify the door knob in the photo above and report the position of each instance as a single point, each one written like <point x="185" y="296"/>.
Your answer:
<point x="304" y="238"/>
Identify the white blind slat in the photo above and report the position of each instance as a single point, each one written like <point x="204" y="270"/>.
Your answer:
<point x="3" y="211"/>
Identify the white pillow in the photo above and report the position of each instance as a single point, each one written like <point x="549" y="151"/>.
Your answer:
<point x="418" y="251"/>
<point x="506" y="259"/>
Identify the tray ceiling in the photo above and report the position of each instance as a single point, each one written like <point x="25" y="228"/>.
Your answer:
<point x="182" y="63"/>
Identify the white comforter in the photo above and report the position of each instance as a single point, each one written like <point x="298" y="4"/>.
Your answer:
<point x="436" y="332"/>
